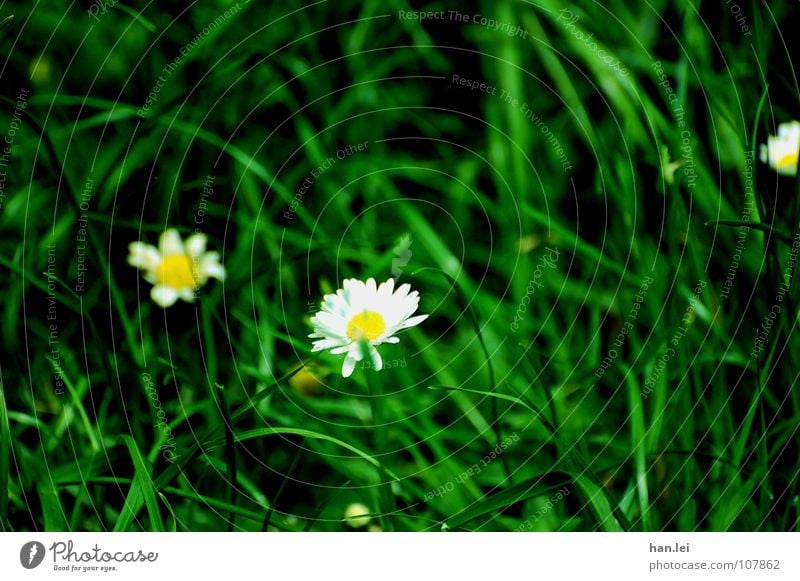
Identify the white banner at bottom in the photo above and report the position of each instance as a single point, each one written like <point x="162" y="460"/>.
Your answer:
<point x="388" y="556"/>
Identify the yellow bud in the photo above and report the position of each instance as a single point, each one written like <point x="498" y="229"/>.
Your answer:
<point x="306" y="382"/>
<point x="356" y="515"/>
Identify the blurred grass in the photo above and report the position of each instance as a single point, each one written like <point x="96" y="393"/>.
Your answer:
<point x="269" y="95"/>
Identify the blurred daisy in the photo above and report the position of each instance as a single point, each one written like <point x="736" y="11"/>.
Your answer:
<point x="177" y="269"/>
<point x="363" y="312"/>
<point x="782" y="150"/>
<point x="357" y="515"/>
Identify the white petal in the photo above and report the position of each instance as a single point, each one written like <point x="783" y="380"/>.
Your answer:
<point x="402" y="291"/>
<point x="341" y="349"/>
<point x="400" y="310"/>
<point x="211" y="268"/>
<point x="330" y="343"/>
<point x="335" y="304"/>
<point x="210" y="257"/>
<point x="386" y="288"/>
<point x="351" y="283"/>
<point x="170" y="243"/>
<point x="790" y="132"/>
<point x="377" y="361"/>
<point x="195" y="245"/>
<point x="326" y="333"/>
<point x="353" y="292"/>
<point x="355" y="351"/>
<point x="412" y="322"/>
<point x="348" y="366"/>
<point x="329" y="324"/>
<point x="340" y="297"/>
<point x="187" y="294"/>
<point x="143" y="256"/>
<point x="326" y="318"/>
<point x="164" y="296"/>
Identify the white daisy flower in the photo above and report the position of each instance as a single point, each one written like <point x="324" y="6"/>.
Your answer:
<point x="177" y="269"/>
<point x="363" y="312"/>
<point x="782" y="150"/>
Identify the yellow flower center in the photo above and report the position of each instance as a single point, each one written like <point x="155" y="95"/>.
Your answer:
<point x="177" y="271"/>
<point x="788" y="160"/>
<point x="367" y="325"/>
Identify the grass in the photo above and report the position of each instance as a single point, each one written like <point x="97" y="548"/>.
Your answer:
<point x="594" y="308"/>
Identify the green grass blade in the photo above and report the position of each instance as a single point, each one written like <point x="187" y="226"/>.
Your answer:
<point x="142" y="490"/>
<point x="639" y="446"/>
<point x="543" y="485"/>
<point x="53" y="513"/>
<point x="5" y="458"/>
<point x="6" y="21"/>
<point x="261" y="432"/>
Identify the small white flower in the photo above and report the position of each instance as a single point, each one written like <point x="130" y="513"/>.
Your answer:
<point x="177" y="269"/>
<point x="357" y="515"/>
<point x="782" y="150"/>
<point x="363" y="312"/>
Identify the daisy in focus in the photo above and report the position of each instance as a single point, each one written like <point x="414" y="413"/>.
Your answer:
<point x="781" y="151"/>
<point x="364" y="313"/>
<point x="177" y="268"/>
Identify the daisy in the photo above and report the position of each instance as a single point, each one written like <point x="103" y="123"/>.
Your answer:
<point x="363" y="312"/>
<point x="782" y="150"/>
<point x="177" y="269"/>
